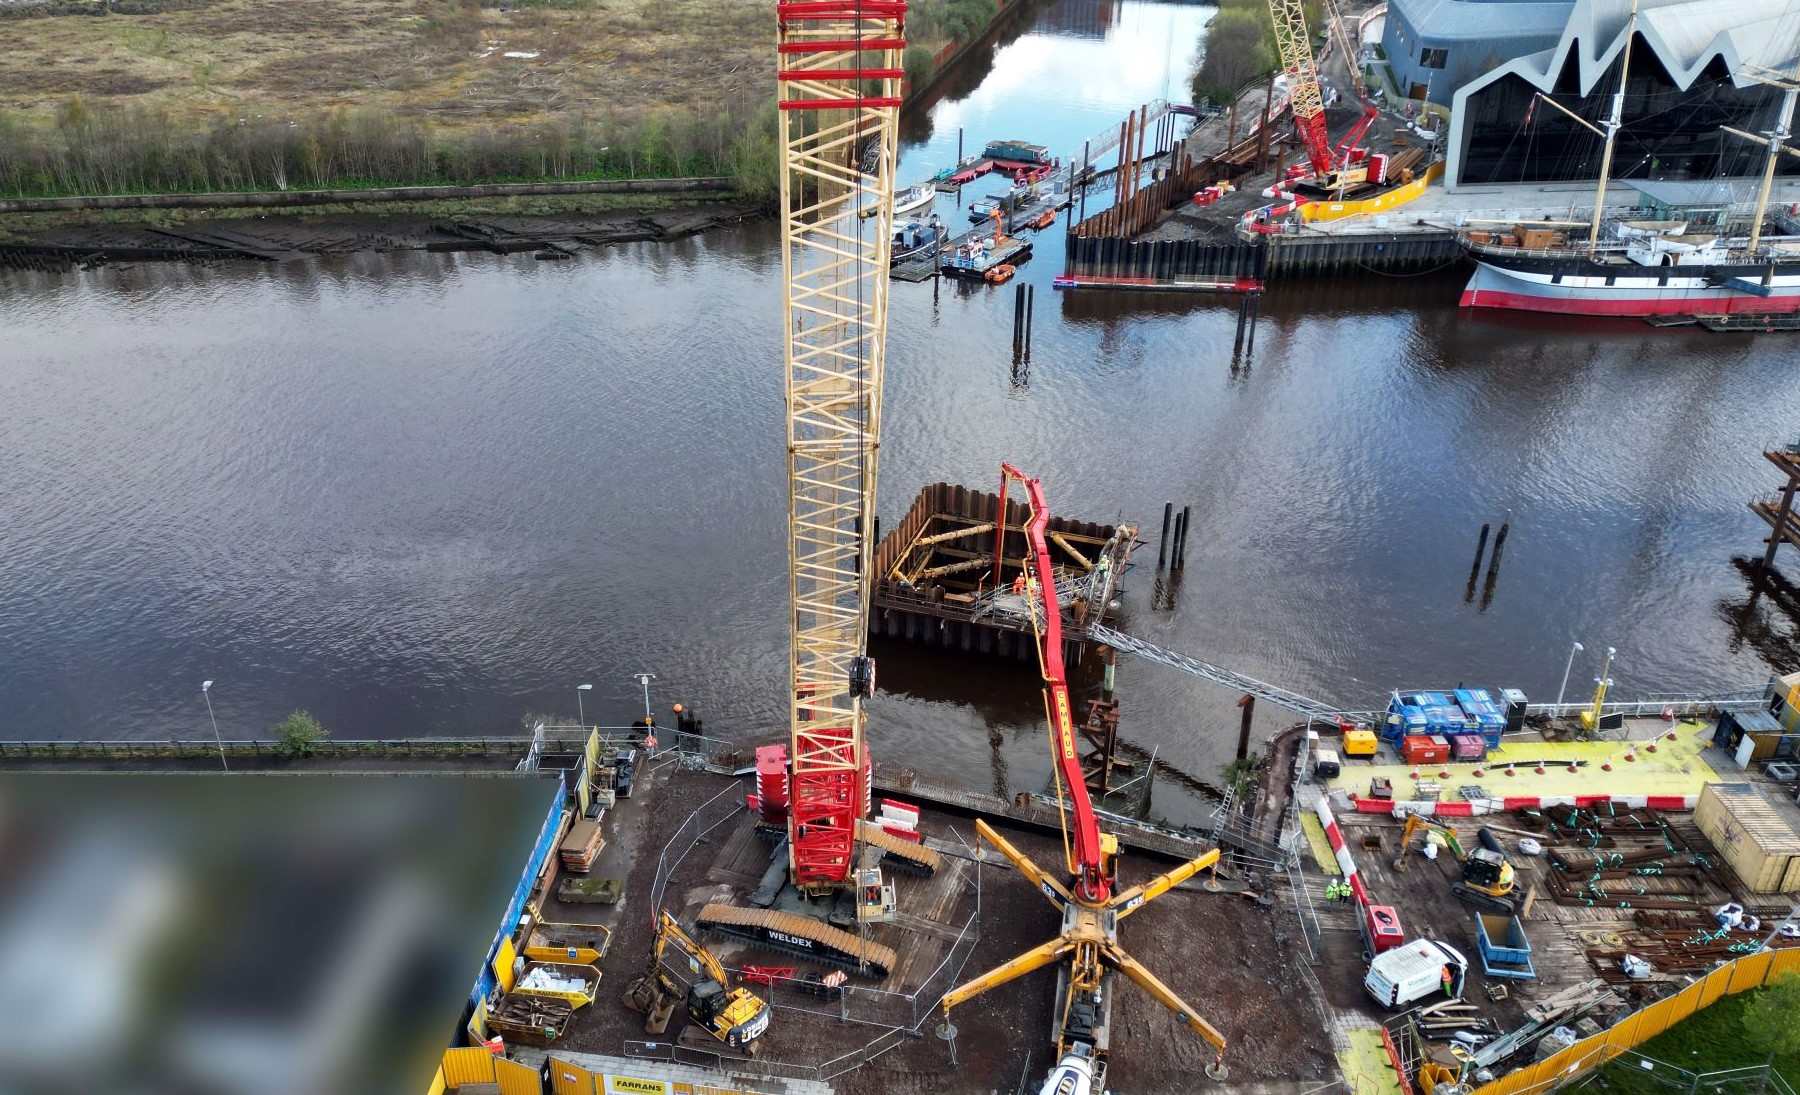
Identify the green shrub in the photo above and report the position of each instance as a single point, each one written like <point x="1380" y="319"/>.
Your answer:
<point x="299" y="734"/>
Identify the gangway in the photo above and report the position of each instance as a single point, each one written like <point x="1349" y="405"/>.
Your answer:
<point x="1237" y="682"/>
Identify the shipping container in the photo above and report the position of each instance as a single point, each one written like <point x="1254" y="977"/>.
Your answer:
<point x="1754" y="832"/>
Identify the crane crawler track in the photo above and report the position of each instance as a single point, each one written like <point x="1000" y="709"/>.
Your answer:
<point x="802" y="936"/>
<point x="902" y="855"/>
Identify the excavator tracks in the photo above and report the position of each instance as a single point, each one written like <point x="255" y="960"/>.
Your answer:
<point x="790" y="933"/>
<point x="900" y="854"/>
<point x="1485" y="902"/>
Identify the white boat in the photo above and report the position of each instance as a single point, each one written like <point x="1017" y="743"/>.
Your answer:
<point x="909" y="201"/>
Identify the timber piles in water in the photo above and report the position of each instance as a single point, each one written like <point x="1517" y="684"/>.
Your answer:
<point x="935" y="575"/>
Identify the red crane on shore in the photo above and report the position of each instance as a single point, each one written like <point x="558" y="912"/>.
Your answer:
<point x="1333" y="168"/>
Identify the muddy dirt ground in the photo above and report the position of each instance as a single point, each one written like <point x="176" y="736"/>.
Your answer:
<point x="1236" y="962"/>
<point x="58" y="243"/>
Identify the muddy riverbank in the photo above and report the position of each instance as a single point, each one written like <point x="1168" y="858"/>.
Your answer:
<point x="553" y="228"/>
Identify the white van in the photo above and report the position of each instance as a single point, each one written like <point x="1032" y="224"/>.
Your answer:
<point x="1415" y="970"/>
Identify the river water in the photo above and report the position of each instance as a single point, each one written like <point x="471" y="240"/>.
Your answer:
<point x="431" y="494"/>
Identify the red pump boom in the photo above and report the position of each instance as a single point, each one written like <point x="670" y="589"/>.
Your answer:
<point x="1088" y="863"/>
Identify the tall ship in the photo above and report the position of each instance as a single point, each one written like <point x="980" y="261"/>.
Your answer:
<point x="1643" y="268"/>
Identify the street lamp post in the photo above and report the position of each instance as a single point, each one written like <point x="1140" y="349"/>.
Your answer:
<point x="645" y="679"/>
<point x="580" y="710"/>
<point x="206" y="694"/>
<point x="1574" y="649"/>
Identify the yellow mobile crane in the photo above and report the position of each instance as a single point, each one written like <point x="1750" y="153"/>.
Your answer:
<point x="731" y="1014"/>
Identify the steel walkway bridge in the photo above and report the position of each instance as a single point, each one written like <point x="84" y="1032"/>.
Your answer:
<point x="1652" y="705"/>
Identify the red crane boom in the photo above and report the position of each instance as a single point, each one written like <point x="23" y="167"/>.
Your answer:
<point x="1093" y="883"/>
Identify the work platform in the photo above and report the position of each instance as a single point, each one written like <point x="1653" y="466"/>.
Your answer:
<point x="936" y="582"/>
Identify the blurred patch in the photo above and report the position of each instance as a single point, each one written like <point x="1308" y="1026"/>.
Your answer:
<point x="267" y="934"/>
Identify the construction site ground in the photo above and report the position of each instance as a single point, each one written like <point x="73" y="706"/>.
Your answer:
<point x="1658" y="766"/>
<point x="1238" y="961"/>
<point x="1218" y="222"/>
<point x="1665" y="914"/>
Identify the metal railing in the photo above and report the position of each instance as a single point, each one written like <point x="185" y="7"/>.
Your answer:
<point x="183" y="748"/>
<point x="711" y="814"/>
<point x="898" y="1015"/>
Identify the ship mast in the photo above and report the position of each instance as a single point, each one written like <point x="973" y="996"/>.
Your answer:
<point x="1612" y="129"/>
<point x="1776" y="139"/>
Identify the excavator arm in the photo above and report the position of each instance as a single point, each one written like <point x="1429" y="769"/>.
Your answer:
<point x="670" y="929"/>
<point x="1138" y="896"/>
<point x="1164" y="995"/>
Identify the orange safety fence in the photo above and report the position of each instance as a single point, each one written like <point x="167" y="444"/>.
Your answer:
<point x="1741" y="975"/>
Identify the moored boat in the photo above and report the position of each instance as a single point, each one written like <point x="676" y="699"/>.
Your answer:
<point x="1640" y="268"/>
<point x="917" y="237"/>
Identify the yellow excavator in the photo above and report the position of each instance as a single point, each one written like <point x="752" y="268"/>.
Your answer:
<point x="1487" y="878"/>
<point x="730" y="1014"/>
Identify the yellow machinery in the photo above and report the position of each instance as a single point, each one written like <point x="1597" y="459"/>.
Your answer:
<point x="1090" y="901"/>
<point x="1487" y="878"/>
<point x="730" y="1014"/>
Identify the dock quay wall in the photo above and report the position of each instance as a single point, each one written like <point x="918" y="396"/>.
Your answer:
<point x="1298" y="255"/>
<point x="1161" y="260"/>
<point x="1373" y="252"/>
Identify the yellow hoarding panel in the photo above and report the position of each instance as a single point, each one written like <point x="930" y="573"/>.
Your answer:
<point x="503" y="964"/>
<point x="471" y="1065"/>
<point x="517" y="1079"/>
<point x="569" y="1079"/>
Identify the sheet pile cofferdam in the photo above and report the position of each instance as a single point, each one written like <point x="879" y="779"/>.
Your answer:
<point x="934" y="576"/>
<point x="791" y="933"/>
<point x="898" y="852"/>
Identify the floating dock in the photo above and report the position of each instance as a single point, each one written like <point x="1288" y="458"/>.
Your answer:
<point x="936" y="581"/>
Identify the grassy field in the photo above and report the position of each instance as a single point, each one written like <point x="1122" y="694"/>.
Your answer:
<point x="455" y="64"/>
<point x="1709" y="1040"/>
<point x="155" y="96"/>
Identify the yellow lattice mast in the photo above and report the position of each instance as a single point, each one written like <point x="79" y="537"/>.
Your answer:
<point x="840" y="88"/>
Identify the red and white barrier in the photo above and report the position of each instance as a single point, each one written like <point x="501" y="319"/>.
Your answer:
<point x="1397" y="808"/>
<point x="1342" y="851"/>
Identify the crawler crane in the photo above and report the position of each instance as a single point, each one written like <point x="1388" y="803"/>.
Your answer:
<point x="1334" y="169"/>
<point x="1091" y="903"/>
